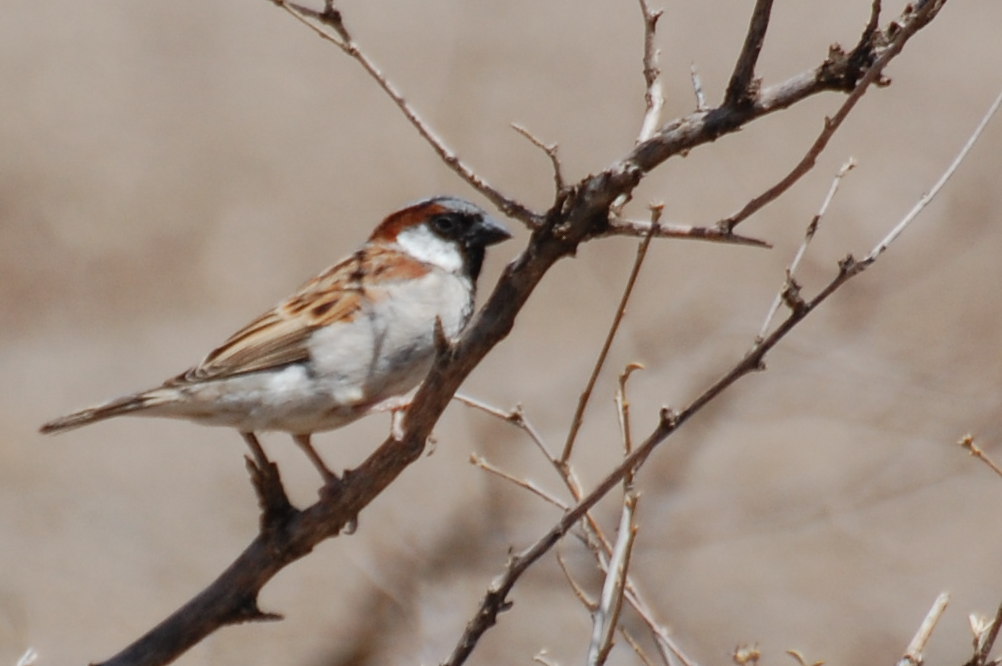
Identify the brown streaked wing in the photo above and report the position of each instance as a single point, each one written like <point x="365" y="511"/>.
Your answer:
<point x="280" y="337"/>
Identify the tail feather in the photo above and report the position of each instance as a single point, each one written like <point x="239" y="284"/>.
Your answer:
<point x="124" y="405"/>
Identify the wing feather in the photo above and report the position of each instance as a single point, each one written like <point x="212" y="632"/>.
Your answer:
<point x="281" y="336"/>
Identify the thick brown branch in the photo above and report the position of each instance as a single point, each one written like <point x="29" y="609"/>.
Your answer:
<point x="333" y="19"/>
<point x="741" y="88"/>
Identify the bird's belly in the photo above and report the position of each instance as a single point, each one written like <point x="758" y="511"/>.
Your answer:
<point x="288" y="399"/>
<point x="304" y="399"/>
<point x="383" y="352"/>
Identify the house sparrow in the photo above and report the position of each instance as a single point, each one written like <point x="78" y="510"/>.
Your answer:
<point x="350" y="342"/>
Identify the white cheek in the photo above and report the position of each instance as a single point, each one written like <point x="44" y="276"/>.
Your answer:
<point x="422" y="244"/>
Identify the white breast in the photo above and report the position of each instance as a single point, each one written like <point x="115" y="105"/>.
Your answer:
<point x="387" y="349"/>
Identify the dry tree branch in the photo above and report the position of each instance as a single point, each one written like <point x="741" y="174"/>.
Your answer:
<point x="741" y="89"/>
<point x="482" y="463"/>
<point x="639" y="651"/>
<point x="576" y="587"/>
<point x="986" y="632"/>
<point x="654" y="94"/>
<point x="853" y="72"/>
<point x="623" y="409"/>
<point x="653" y="90"/>
<point x="934" y="190"/>
<point x="290" y="534"/>
<point x="606" y="617"/>
<point x="913" y="654"/>
<point x="495" y="599"/>
<point x="667" y="647"/>
<point x="334" y="19"/>
<point x="619" y="226"/>
<point x="551" y="149"/>
<point x="873" y="75"/>
<point x="516" y="417"/>
<point x="790" y="284"/>
<point x="617" y="319"/>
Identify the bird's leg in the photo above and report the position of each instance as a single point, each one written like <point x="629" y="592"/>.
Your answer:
<point x="397" y="421"/>
<point x="332" y="482"/>
<point x="304" y="443"/>
<point x="275" y="505"/>
<point x="397" y="407"/>
<point x="255" y="446"/>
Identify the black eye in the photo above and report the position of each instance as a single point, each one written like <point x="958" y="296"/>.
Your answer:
<point x="447" y="225"/>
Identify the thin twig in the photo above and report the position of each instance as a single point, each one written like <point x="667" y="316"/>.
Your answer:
<point x="653" y="90"/>
<point x="619" y="226"/>
<point x="874" y="74"/>
<point x="495" y="599"/>
<point x="931" y="194"/>
<point x="913" y="654"/>
<point x="697" y="87"/>
<point x="668" y="649"/>
<point x="802" y="250"/>
<point x="610" y="336"/>
<point x="802" y="660"/>
<point x="480" y="462"/>
<point x="599" y="545"/>
<point x="986" y="632"/>
<point x="654" y="93"/>
<point x="606" y="618"/>
<point x="579" y="591"/>
<point x="967" y="442"/>
<point x="344" y="41"/>
<point x="623" y="407"/>
<point x="639" y="651"/>
<point x="551" y="151"/>
<point x="516" y="417"/>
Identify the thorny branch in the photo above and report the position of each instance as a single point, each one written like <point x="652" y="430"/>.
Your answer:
<point x="496" y="598"/>
<point x="581" y="215"/>
<point x="790" y="286"/>
<point x="333" y="19"/>
<point x="560" y="185"/>
<point x="665" y="643"/>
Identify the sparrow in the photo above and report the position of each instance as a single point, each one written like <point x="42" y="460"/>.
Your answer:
<point x="350" y="342"/>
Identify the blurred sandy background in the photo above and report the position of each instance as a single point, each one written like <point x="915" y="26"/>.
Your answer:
<point x="171" y="169"/>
